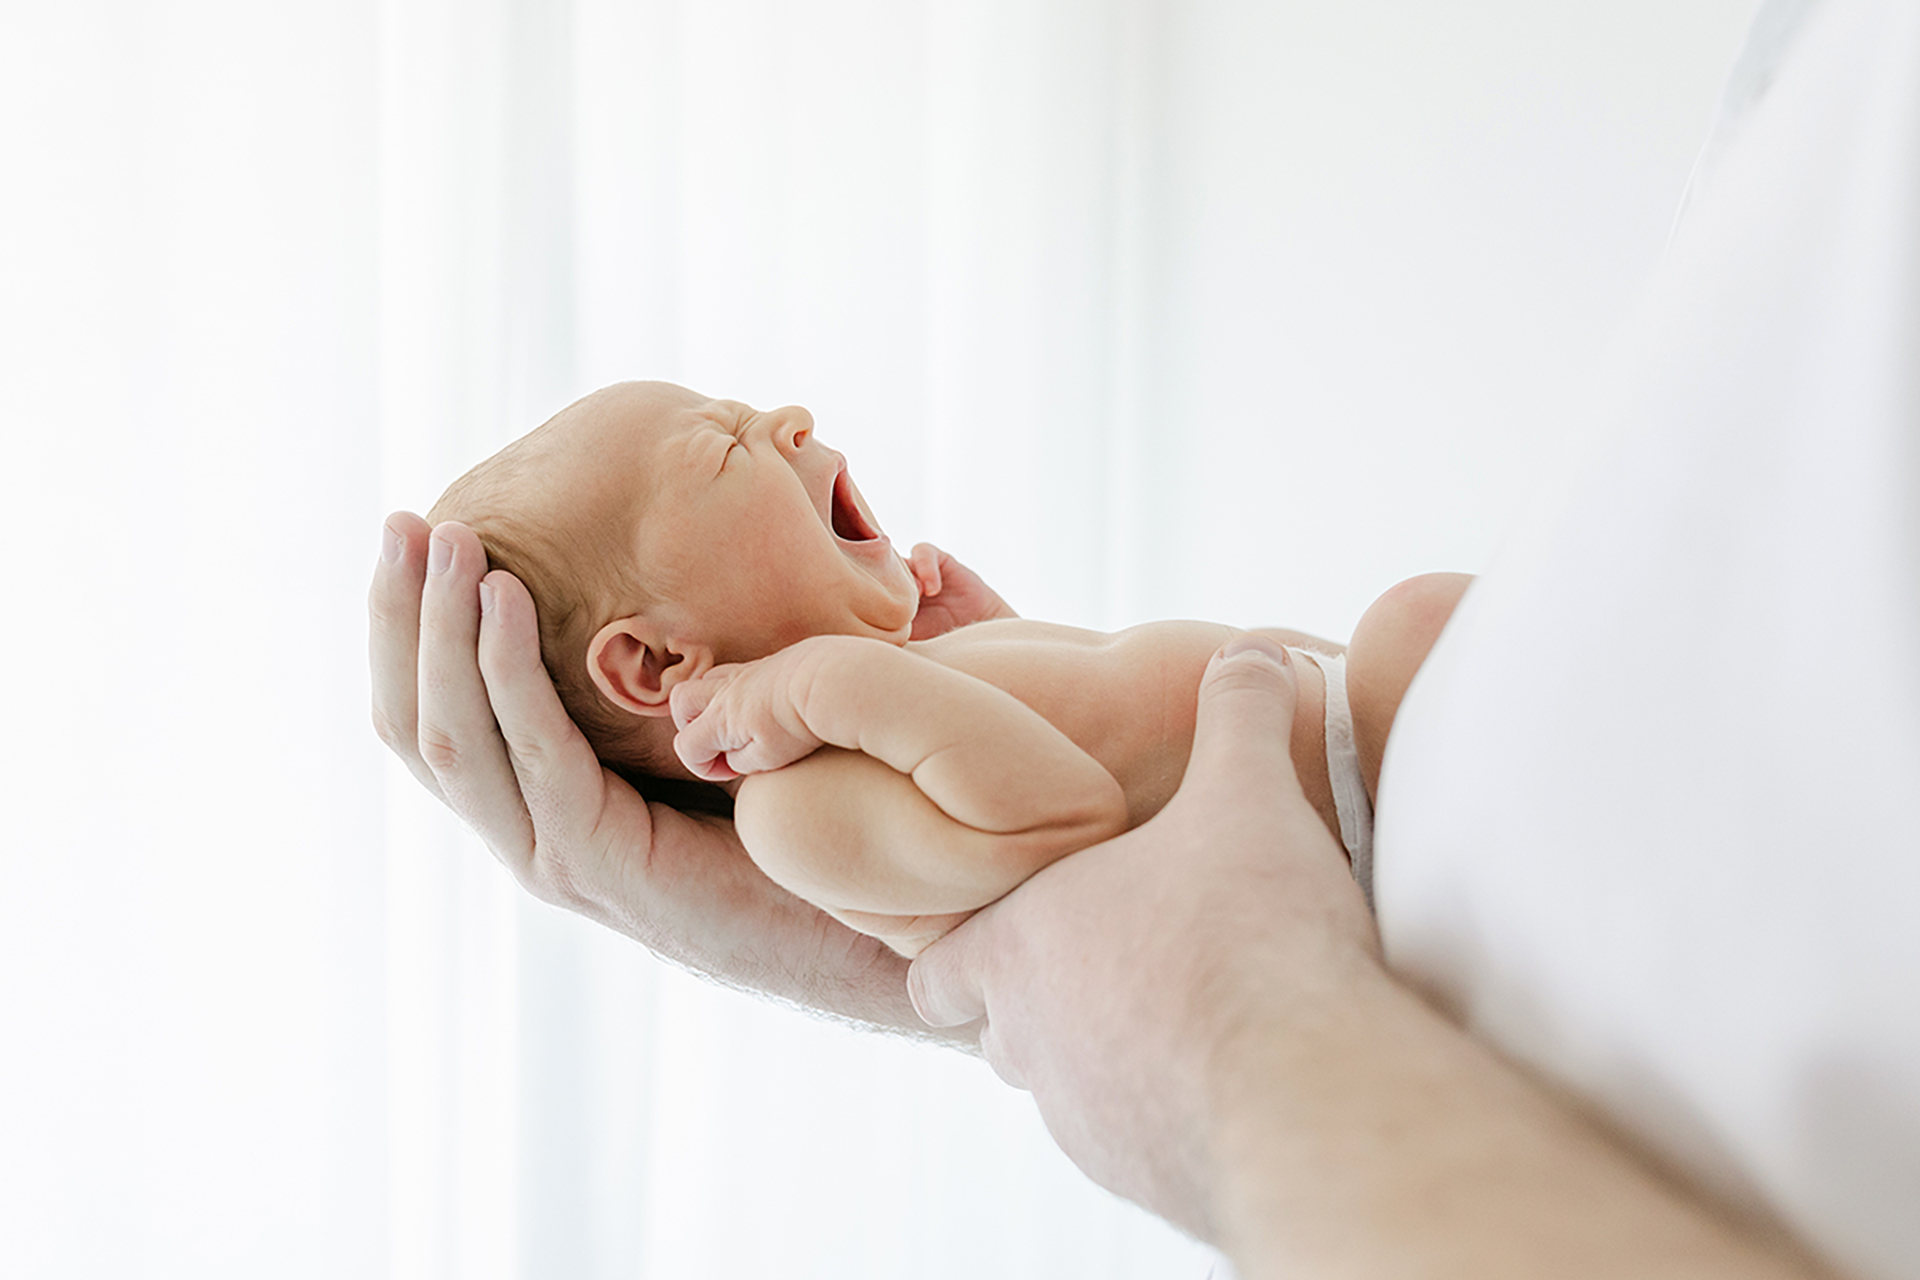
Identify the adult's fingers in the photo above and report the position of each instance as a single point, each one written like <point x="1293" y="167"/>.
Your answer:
<point x="1241" y="765"/>
<point x="1241" y="775"/>
<point x="947" y="982"/>
<point x="393" y="639"/>
<point x="559" y="776"/>
<point x="1244" y="723"/>
<point x="458" y="737"/>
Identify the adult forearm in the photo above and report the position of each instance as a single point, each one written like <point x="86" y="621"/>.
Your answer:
<point x="1358" y="1133"/>
<point x="1201" y="1013"/>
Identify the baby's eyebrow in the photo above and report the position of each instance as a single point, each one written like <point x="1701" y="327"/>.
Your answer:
<point x="731" y="410"/>
<point x="726" y="416"/>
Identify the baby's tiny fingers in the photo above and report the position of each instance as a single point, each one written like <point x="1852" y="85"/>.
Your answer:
<point x="925" y="563"/>
<point x="704" y="758"/>
<point x="688" y="699"/>
<point x="715" y="770"/>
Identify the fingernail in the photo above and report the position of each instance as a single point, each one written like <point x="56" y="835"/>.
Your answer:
<point x="389" y="544"/>
<point x="1247" y="642"/>
<point x="921" y="1000"/>
<point x="486" y="600"/>
<point x="439" y="555"/>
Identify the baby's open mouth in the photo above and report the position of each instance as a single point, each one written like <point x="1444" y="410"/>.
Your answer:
<point x="848" y="523"/>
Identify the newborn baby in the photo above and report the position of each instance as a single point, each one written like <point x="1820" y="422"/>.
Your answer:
<point x="718" y="604"/>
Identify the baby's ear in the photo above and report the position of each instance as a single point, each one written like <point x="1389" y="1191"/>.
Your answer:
<point x="634" y="663"/>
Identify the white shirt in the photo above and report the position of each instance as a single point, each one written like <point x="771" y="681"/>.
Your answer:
<point x="1650" y="818"/>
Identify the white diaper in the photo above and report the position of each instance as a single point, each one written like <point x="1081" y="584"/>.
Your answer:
<point x="1350" y="797"/>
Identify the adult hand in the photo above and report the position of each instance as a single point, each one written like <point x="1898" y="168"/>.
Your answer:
<point x="1200" y="1010"/>
<point x="1106" y="980"/>
<point x="462" y="698"/>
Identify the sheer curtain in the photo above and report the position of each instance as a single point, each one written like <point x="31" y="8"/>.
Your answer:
<point x="1225" y="309"/>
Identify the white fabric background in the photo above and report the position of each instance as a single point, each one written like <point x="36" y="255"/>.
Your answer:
<point x="1226" y="309"/>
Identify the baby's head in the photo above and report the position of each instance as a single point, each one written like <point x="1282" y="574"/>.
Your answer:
<point x="661" y="534"/>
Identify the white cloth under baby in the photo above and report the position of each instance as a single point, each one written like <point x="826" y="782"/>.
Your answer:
<point x="1350" y="798"/>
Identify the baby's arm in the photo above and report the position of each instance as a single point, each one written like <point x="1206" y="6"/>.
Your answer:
<point x="944" y="793"/>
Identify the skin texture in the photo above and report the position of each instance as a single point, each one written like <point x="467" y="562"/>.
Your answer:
<point x="730" y="574"/>
<point x="1199" y="1005"/>
<point x="664" y="533"/>
<point x="1200" y="1010"/>
<point x="937" y="792"/>
<point x="466" y="704"/>
<point x="955" y="768"/>
<point x="899" y="788"/>
<point x="733" y="514"/>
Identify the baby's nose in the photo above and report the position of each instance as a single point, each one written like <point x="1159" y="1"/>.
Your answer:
<point x="793" y="426"/>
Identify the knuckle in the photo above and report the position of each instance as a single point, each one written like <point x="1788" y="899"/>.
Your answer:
<point x="553" y="879"/>
<point x="532" y="757"/>
<point x="397" y="733"/>
<point x="438" y="748"/>
<point x="530" y="860"/>
<point x="920" y="991"/>
<point x="1250" y="679"/>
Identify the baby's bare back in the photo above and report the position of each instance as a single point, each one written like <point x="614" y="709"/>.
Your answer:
<point x="1127" y="698"/>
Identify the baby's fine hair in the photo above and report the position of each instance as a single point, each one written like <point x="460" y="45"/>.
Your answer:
<point x="578" y="563"/>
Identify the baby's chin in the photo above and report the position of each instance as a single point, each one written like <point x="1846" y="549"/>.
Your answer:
<point x="899" y="627"/>
<point x="903" y="591"/>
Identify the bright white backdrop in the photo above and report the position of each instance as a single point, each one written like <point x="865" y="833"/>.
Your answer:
<point x="1223" y="309"/>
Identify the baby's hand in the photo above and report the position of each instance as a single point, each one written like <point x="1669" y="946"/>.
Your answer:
<point x="739" y="719"/>
<point x="951" y="595"/>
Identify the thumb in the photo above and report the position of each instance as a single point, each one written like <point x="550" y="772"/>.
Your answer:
<point x="946" y="982"/>
<point x="1244" y="725"/>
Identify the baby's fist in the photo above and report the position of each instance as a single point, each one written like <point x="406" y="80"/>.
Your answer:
<point x="701" y="743"/>
<point x="738" y="719"/>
